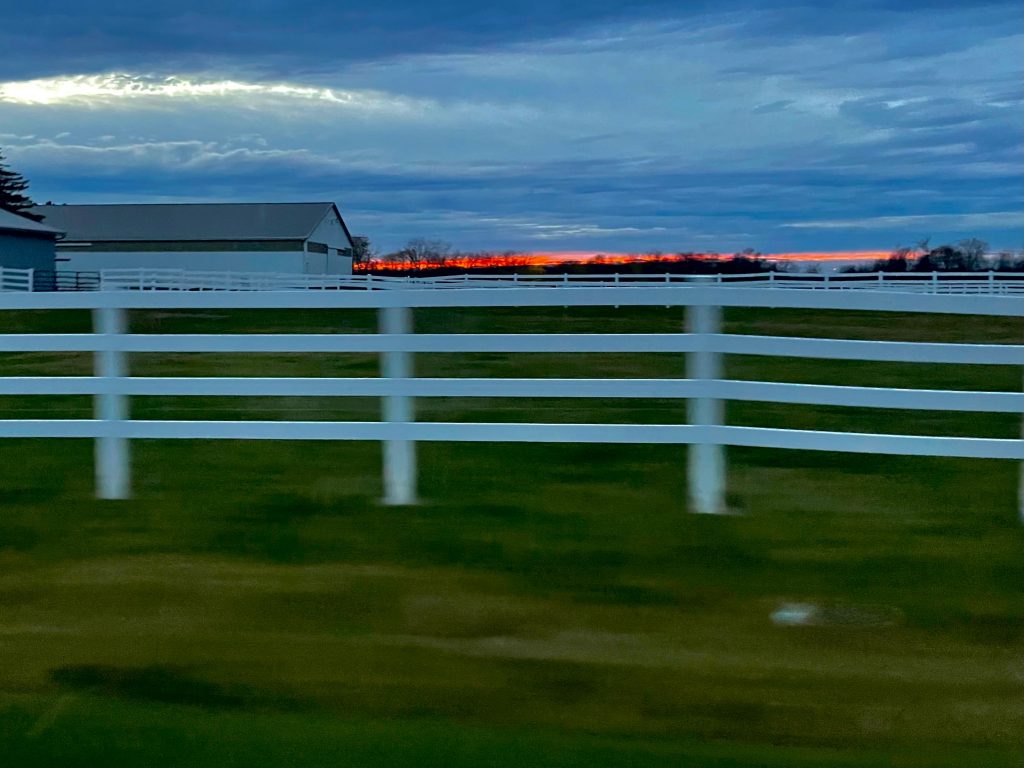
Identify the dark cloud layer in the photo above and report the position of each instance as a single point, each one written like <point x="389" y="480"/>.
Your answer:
<point x="614" y="205"/>
<point x="61" y="36"/>
<point x="542" y="124"/>
<point x="270" y="35"/>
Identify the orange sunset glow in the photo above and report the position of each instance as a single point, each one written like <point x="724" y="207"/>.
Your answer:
<point x="551" y="258"/>
<point x="558" y="257"/>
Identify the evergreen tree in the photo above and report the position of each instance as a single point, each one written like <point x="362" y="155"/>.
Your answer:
<point x="12" y="192"/>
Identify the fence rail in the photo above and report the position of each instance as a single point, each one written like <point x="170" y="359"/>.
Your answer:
<point x="1005" y="283"/>
<point x="960" y="283"/>
<point x="65" y="280"/>
<point x="15" y="279"/>
<point x="704" y="387"/>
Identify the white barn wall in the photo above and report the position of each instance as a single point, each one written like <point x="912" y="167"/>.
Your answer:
<point x="292" y="238"/>
<point x="288" y="262"/>
<point x="314" y="263"/>
<point x="342" y="265"/>
<point x="331" y="233"/>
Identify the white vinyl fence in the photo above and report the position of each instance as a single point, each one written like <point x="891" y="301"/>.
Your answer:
<point x="142" y="279"/>
<point x="999" y="283"/>
<point x="15" y="279"/>
<point x="702" y="341"/>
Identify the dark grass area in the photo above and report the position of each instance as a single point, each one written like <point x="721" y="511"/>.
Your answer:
<point x="546" y="605"/>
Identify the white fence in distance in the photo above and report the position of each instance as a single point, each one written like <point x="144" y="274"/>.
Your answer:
<point x="145" y="279"/>
<point x="15" y="279"/>
<point x="702" y="342"/>
<point x="1000" y="283"/>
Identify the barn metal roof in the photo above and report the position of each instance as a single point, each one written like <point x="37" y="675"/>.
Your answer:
<point x="186" y="221"/>
<point x="13" y="222"/>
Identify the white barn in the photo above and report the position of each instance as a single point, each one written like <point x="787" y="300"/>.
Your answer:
<point x="292" y="238"/>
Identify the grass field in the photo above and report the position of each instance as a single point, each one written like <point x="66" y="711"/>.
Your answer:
<point x="254" y="605"/>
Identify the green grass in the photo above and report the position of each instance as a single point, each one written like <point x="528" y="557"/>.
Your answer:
<point x="254" y="605"/>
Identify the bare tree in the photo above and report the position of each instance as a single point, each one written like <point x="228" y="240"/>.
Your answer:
<point x="422" y="252"/>
<point x="362" y="250"/>
<point x="973" y="253"/>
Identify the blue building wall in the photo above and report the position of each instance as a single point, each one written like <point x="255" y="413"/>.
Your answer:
<point x="21" y="251"/>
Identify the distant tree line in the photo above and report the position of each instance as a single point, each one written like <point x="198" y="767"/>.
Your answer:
<point x="438" y="258"/>
<point x="971" y="255"/>
<point x="426" y="257"/>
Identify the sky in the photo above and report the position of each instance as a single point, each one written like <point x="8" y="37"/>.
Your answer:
<point x="538" y="125"/>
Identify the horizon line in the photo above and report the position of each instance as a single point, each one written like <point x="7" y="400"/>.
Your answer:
<point x="852" y="255"/>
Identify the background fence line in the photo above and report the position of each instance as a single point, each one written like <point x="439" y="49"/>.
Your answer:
<point x="396" y="343"/>
<point x="16" y="279"/>
<point x="145" y="279"/>
<point x="1002" y="283"/>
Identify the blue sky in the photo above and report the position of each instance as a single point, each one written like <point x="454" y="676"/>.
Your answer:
<point x="538" y="126"/>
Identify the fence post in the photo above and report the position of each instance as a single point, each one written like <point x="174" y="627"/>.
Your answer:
<point x="706" y="471"/>
<point x="399" y="455"/>
<point x="113" y="470"/>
